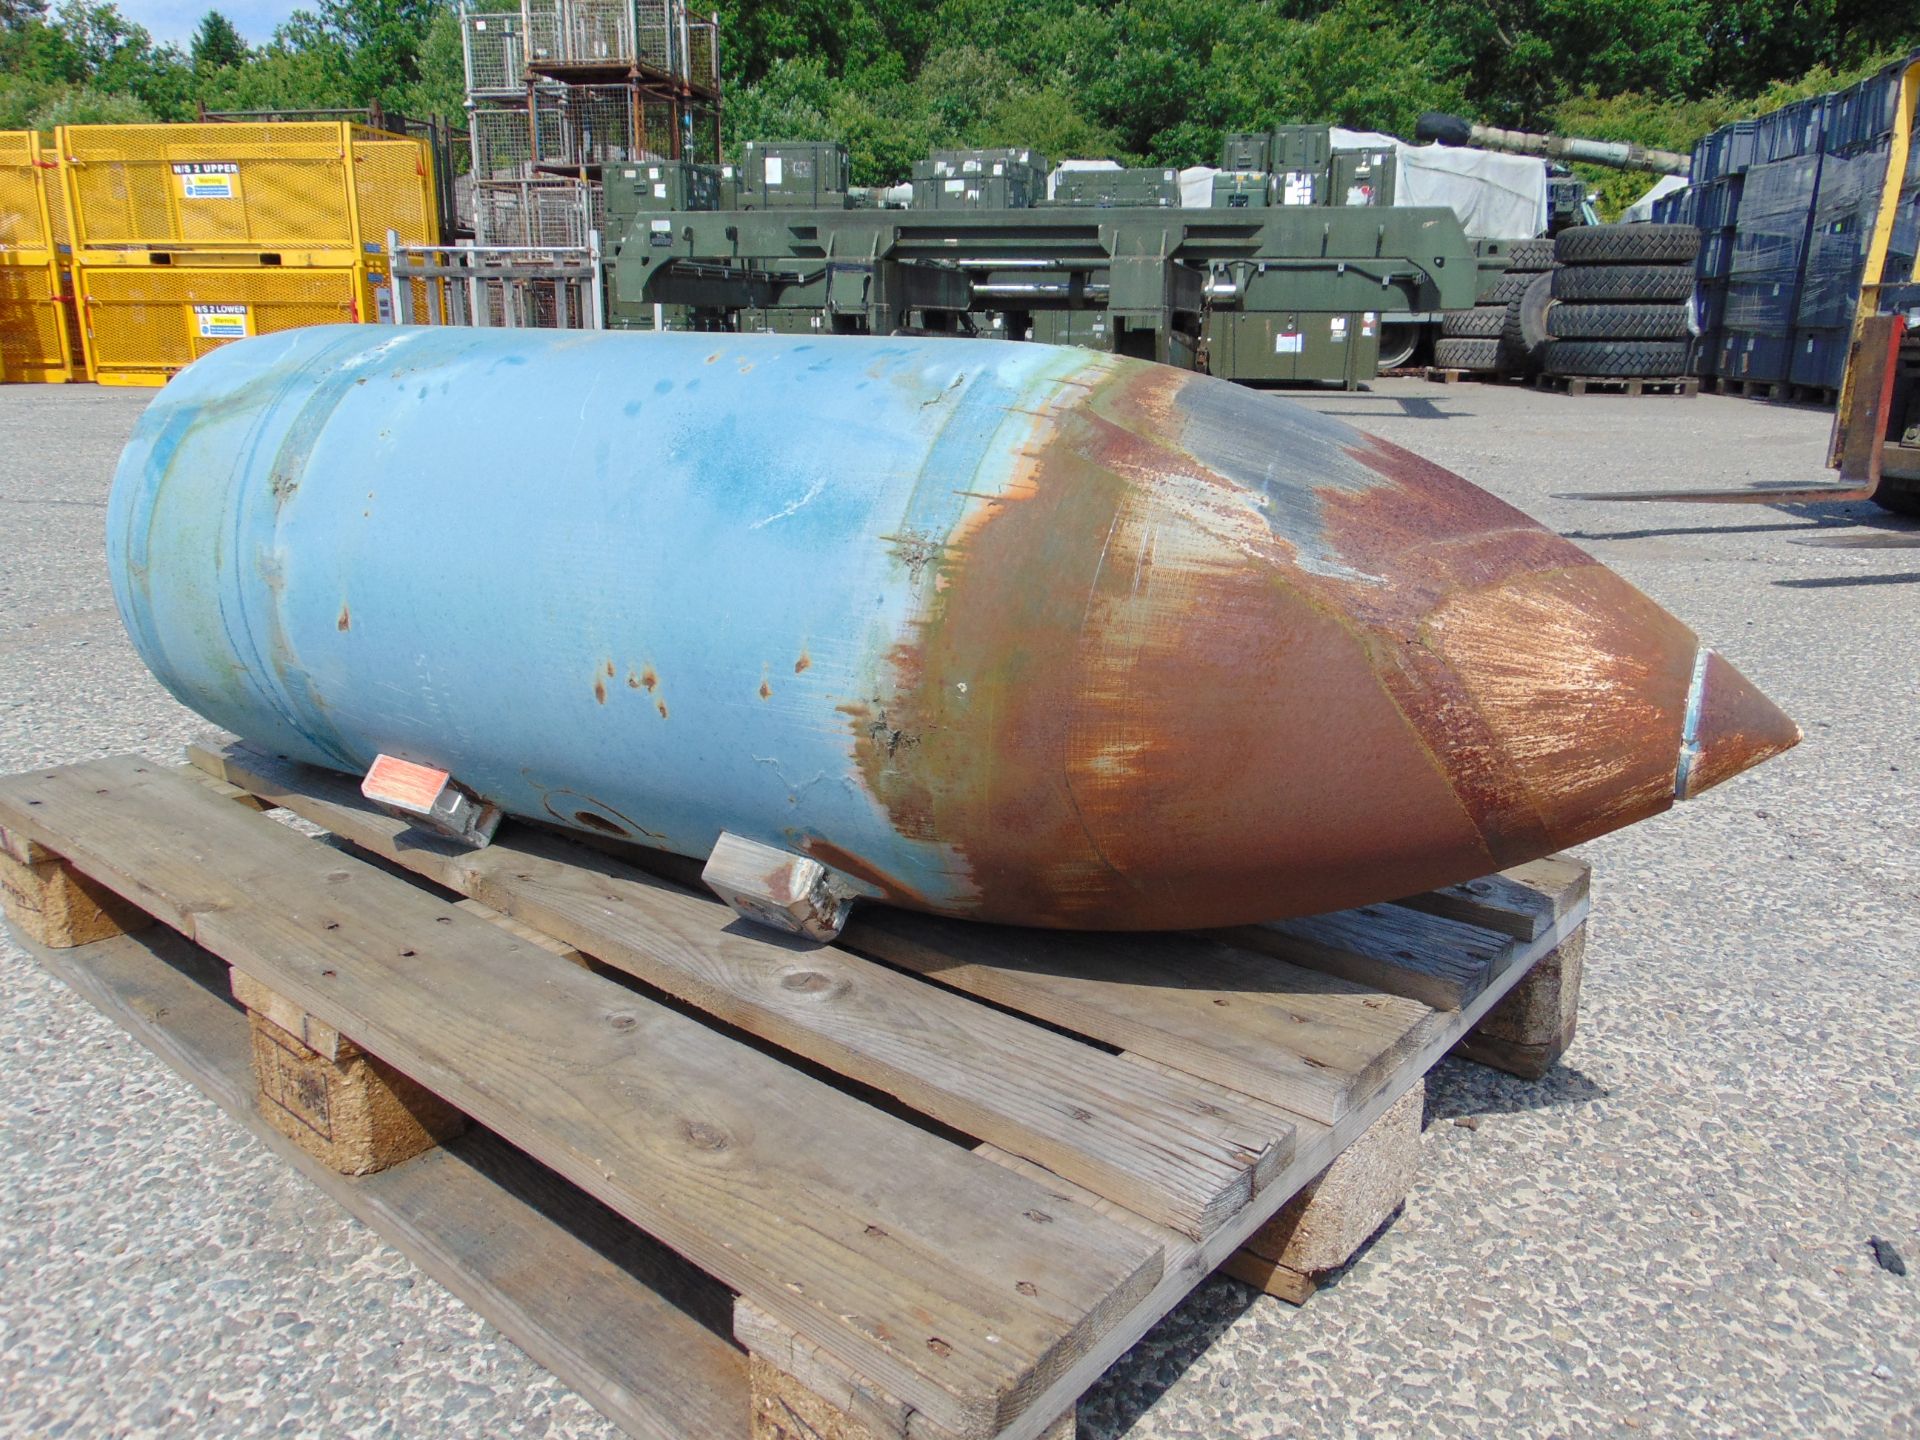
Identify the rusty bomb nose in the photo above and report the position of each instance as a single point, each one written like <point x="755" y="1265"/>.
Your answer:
<point x="1242" y="660"/>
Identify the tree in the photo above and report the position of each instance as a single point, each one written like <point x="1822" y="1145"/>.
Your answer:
<point x="217" y="44"/>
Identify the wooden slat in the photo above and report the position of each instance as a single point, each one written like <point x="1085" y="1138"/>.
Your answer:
<point x="900" y="1255"/>
<point x="1171" y="1147"/>
<point x="1188" y="1262"/>
<point x="1309" y="1042"/>
<point x="1524" y="902"/>
<point x="1436" y="961"/>
<point x="627" y="1324"/>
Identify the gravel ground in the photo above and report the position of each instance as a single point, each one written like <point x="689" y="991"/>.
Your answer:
<point x="1668" y="1236"/>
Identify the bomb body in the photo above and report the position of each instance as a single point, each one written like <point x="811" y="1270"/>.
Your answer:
<point x="1005" y="631"/>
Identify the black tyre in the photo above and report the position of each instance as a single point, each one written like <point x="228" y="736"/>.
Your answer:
<point x="1398" y="341"/>
<point x="1467" y="354"/>
<point x="1510" y="286"/>
<point x="1524" y="334"/>
<point x="1618" y="283"/>
<point x="1642" y="359"/>
<point x="1483" y="322"/>
<point x="1900" y="494"/>
<point x="1534" y="255"/>
<point x="1626" y="244"/>
<point x="1617" y="322"/>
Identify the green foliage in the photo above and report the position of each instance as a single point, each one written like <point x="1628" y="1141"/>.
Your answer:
<point x="1147" y="81"/>
<point x="217" y="44"/>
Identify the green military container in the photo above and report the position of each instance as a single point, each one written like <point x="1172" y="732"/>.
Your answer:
<point x="1294" y="346"/>
<point x="728" y="187"/>
<point x="1089" y="329"/>
<point x="1248" y="152"/>
<point x="794" y="175"/>
<point x="1118" y="189"/>
<point x="1361" y="177"/>
<point x="1302" y="147"/>
<point x="1300" y="186"/>
<point x="979" y="180"/>
<point x="1242" y="190"/>
<point x="659" y="185"/>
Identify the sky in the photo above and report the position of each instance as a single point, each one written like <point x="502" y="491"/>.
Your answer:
<point x="176" y="20"/>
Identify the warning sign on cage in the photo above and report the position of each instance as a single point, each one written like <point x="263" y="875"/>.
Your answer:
<point x="207" y="179"/>
<point x="223" y="322"/>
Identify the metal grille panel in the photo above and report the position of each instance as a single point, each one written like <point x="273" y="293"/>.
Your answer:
<point x="535" y="212"/>
<point x="33" y="324"/>
<point x="146" y="323"/>
<point x="23" y="224"/>
<point x="585" y="125"/>
<point x="502" y="142"/>
<point x="280" y="185"/>
<point x="393" y="188"/>
<point x="496" y="53"/>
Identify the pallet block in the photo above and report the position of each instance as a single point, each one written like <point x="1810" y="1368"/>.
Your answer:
<point x="1531" y="1028"/>
<point x="55" y="904"/>
<point x="1324" y="1226"/>
<point x="350" y="1111"/>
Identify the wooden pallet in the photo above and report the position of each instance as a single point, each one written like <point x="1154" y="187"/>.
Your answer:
<point x="724" y="1184"/>
<point x="1683" y="385"/>
<point x="1451" y="376"/>
<point x="1745" y="389"/>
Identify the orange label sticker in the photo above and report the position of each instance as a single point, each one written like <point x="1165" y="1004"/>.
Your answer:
<point x="393" y="781"/>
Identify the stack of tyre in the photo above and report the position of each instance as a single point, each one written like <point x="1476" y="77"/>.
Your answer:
<point x="1621" y="302"/>
<point x="1474" y="339"/>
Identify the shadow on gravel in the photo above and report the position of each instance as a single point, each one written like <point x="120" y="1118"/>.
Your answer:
<point x="1135" y="1384"/>
<point x="1843" y="582"/>
<point x="1409" y="407"/>
<point x="1457" y="1088"/>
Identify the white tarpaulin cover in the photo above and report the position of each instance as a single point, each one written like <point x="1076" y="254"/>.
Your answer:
<point x="1642" y="209"/>
<point x="1196" y="187"/>
<point x="1497" y="197"/>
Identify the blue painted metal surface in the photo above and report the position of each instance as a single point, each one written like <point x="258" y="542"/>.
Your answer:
<point x="1003" y="630"/>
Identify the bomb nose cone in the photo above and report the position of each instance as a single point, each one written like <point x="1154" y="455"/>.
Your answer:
<point x="1730" y="727"/>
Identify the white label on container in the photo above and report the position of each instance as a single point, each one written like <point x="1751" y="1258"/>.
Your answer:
<point x="206" y="179"/>
<point x="223" y="322"/>
<point x="660" y="191"/>
<point x="662" y="224"/>
<point x="1337" y="329"/>
<point x="954" y="187"/>
<point x="1299" y="188"/>
<point x="1289" y="342"/>
<point x="774" y="170"/>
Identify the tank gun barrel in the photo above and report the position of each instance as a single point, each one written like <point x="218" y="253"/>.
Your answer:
<point x="1620" y="154"/>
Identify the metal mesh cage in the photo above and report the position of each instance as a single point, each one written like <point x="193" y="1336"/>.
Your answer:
<point x="146" y="323"/>
<point x="269" y="185"/>
<point x="23" y="224"/>
<point x="502" y="137"/>
<point x="393" y="189"/>
<point x="535" y="212"/>
<point x="604" y="33"/>
<point x="703" y="53"/>
<point x="495" y="47"/>
<point x="584" y="125"/>
<point x="33" y="324"/>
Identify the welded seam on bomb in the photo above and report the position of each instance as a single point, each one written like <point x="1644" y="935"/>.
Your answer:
<point x="1690" y="729"/>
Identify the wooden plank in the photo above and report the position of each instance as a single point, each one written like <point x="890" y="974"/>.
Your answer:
<point x="1188" y="1261"/>
<point x="1523" y="902"/>
<point x="1436" y="961"/>
<point x="1167" y="1146"/>
<point x="1309" y="1042"/>
<point x="912" y="1261"/>
<point x="624" y="1322"/>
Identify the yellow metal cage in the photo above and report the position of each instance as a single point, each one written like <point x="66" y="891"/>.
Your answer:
<point x="300" y="192"/>
<point x="35" y="337"/>
<point x="142" y="325"/>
